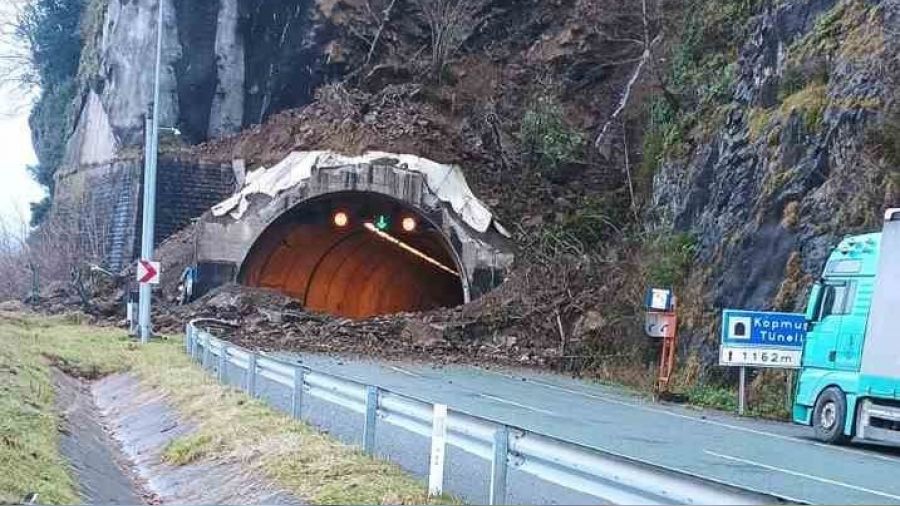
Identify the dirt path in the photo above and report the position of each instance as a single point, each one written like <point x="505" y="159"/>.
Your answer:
<point x="101" y="470"/>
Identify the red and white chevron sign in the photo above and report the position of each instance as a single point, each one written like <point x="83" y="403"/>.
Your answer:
<point x="148" y="272"/>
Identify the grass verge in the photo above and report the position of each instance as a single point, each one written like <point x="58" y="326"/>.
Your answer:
<point x="229" y="424"/>
<point x="767" y="403"/>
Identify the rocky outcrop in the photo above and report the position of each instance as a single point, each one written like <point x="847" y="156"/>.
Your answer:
<point x="225" y="65"/>
<point x="789" y="171"/>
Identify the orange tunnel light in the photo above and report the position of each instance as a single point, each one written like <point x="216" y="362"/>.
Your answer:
<point x="409" y="224"/>
<point x="341" y="219"/>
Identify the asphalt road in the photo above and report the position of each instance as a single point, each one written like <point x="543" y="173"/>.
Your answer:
<point x="771" y="457"/>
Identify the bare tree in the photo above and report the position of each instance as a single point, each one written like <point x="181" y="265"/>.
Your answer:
<point x="67" y="250"/>
<point x="451" y="23"/>
<point x="377" y="17"/>
<point x="14" y="258"/>
<point x="19" y="80"/>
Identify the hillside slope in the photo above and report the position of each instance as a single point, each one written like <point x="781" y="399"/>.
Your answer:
<point x="721" y="147"/>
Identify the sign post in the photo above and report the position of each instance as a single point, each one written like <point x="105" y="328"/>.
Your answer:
<point x="438" y="450"/>
<point x="662" y="322"/>
<point x="760" y="339"/>
<point x="151" y="152"/>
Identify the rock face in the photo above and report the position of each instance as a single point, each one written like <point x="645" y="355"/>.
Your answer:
<point x="225" y="65"/>
<point x="789" y="172"/>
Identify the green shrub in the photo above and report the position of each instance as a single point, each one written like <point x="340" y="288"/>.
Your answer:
<point x="39" y="211"/>
<point x="669" y="258"/>
<point x="662" y="133"/>
<point x="51" y="29"/>
<point x="546" y="138"/>
<point x="810" y="102"/>
<point x="596" y="219"/>
<point x="705" y="396"/>
<point x="883" y="138"/>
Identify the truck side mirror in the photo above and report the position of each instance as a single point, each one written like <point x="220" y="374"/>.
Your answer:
<point x="812" y="307"/>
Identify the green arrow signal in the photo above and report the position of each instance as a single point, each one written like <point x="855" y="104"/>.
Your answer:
<point x="382" y="223"/>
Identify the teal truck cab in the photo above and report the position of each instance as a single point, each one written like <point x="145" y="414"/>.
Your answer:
<point x="850" y="377"/>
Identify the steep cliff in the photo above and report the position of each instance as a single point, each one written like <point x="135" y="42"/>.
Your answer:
<point x="795" y="160"/>
<point x="225" y="65"/>
<point x="235" y="72"/>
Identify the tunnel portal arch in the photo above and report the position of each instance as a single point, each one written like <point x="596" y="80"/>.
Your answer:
<point x="276" y="232"/>
<point x="357" y="270"/>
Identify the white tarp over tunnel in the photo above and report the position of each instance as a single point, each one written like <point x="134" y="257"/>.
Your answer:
<point x="446" y="182"/>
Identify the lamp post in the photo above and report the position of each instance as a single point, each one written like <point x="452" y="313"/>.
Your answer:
<point x="149" y="215"/>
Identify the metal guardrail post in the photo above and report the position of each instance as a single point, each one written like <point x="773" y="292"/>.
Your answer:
<point x="207" y="353"/>
<point x="499" y="466"/>
<point x="297" y="393"/>
<point x="223" y="363"/>
<point x="371" y="412"/>
<point x="438" y="450"/>
<point x="188" y="336"/>
<point x="195" y="346"/>
<point x="251" y="374"/>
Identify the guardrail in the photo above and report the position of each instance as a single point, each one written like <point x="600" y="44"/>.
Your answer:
<point x="607" y="476"/>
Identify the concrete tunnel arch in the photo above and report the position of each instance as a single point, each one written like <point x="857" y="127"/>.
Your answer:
<point x="352" y="271"/>
<point x="273" y="233"/>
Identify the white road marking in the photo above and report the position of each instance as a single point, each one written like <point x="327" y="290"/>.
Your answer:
<point x="748" y="430"/>
<point x="516" y="404"/>
<point x="403" y="371"/>
<point x="803" y="475"/>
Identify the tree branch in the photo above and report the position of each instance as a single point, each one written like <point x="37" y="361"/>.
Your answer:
<point x="638" y="69"/>
<point x="386" y="17"/>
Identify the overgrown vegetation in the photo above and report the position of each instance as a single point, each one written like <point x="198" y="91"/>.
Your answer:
<point x="809" y="102"/>
<point x="668" y="258"/>
<point x="767" y="396"/>
<point x="50" y="31"/>
<point x="548" y="141"/>
<point x="663" y="135"/>
<point x="450" y="22"/>
<point x="849" y="28"/>
<point x="229" y="424"/>
<point x="699" y="80"/>
<point x="28" y="426"/>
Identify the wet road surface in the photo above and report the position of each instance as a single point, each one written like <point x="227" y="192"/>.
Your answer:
<point x="772" y="457"/>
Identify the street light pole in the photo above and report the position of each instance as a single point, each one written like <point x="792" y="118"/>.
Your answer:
<point x="151" y="152"/>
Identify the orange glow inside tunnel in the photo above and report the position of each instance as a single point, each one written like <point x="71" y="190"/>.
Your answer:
<point x="355" y="270"/>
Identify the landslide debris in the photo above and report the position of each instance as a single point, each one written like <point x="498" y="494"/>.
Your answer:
<point x="542" y="316"/>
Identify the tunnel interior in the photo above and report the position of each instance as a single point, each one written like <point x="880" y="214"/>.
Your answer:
<point x="356" y="255"/>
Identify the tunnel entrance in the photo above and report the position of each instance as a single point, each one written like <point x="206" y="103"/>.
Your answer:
<point x="357" y="255"/>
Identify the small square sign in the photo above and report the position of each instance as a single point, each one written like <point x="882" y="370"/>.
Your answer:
<point x="659" y="299"/>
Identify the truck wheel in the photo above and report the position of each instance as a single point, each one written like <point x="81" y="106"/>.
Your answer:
<point x="830" y="415"/>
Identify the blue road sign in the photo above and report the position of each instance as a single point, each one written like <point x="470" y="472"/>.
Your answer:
<point x="757" y="329"/>
<point x="761" y="339"/>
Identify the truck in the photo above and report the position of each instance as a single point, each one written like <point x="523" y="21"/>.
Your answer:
<point x="849" y="382"/>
